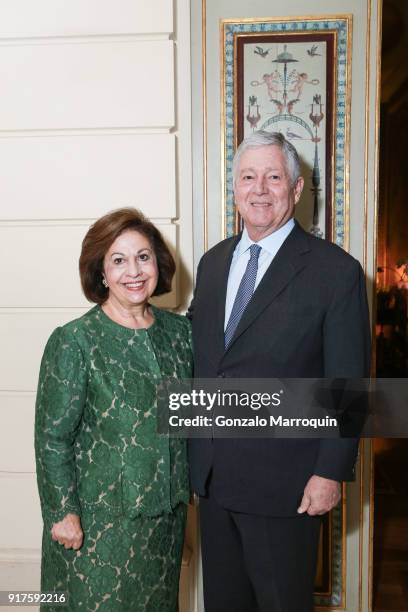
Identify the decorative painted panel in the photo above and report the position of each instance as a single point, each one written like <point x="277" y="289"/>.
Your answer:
<point x="292" y="76"/>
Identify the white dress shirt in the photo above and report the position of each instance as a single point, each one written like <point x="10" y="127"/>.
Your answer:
<point x="270" y="245"/>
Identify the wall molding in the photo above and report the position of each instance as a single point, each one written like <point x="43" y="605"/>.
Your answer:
<point x="72" y="222"/>
<point x="90" y="38"/>
<point x="20" y="475"/>
<point x="20" y="555"/>
<point x="113" y="131"/>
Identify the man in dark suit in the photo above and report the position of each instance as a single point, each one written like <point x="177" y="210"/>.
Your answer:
<point x="273" y="302"/>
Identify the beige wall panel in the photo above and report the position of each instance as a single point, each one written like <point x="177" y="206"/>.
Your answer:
<point x="87" y="85"/>
<point x="46" y="260"/>
<point x="25" y="18"/>
<point x="17" y="432"/>
<point x="24" y="335"/>
<point x="18" y="572"/>
<point x="86" y="176"/>
<point x="20" y="513"/>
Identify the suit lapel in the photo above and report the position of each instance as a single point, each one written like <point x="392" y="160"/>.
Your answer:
<point x="286" y="265"/>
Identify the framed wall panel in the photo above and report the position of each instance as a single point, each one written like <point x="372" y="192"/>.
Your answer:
<point x="293" y="77"/>
<point x="224" y="110"/>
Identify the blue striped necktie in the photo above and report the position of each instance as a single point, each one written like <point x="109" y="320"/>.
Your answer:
<point x="244" y="294"/>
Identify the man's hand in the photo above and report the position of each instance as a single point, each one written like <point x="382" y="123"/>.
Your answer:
<point x="68" y="532"/>
<point x="320" y="496"/>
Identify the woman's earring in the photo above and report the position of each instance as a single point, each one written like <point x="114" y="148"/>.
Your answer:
<point x="104" y="283"/>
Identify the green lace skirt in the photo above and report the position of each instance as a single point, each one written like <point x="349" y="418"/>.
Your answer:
<point x="123" y="565"/>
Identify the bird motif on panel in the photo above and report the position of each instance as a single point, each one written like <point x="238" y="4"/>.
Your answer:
<point x="261" y="52"/>
<point x="313" y="51"/>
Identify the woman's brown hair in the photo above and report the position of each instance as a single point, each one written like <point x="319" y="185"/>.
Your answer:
<point x="99" y="238"/>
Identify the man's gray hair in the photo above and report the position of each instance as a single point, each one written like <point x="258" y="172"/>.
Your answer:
<point x="262" y="139"/>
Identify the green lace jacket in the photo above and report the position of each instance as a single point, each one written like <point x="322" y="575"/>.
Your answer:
<point x="97" y="448"/>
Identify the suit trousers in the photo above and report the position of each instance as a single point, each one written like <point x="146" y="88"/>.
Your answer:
<point x="254" y="563"/>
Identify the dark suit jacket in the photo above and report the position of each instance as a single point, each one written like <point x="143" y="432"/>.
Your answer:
<point x="308" y="318"/>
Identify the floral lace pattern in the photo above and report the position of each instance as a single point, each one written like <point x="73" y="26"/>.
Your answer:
<point x="98" y="454"/>
<point x="123" y="565"/>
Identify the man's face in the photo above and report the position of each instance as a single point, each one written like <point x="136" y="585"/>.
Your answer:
<point x="264" y="195"/>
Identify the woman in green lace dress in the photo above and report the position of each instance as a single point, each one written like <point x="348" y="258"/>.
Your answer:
<point x="113" y="492"/>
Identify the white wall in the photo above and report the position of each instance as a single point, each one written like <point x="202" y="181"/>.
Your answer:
<point x="94" y="114"/>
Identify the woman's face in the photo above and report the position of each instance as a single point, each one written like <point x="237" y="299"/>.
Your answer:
<point x="130" y="269"/>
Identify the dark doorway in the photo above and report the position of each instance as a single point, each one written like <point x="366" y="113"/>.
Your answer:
<point x="390" y="579"/>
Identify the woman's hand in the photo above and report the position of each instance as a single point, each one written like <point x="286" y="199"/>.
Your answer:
<point x="68" y="532"/>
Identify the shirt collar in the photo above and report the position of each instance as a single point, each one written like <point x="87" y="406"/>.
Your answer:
<point x="270" y="243"/>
